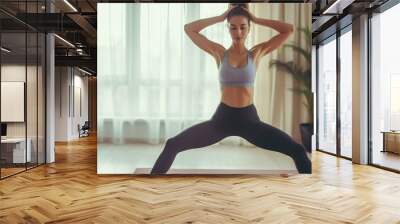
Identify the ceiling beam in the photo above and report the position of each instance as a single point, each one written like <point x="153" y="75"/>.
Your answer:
<point x="85" y="61"/>
<point x="337" y="7"/>
<point x="84" y="24"/>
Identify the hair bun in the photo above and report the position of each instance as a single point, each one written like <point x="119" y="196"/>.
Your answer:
<point x="243" y="5"/>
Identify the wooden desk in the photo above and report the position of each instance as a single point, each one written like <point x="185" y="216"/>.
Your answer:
<point x="391" y="141"/>
<point x="13" y="150"/>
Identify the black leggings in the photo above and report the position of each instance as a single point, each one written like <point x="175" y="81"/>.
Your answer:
<point x="232" y="121"/>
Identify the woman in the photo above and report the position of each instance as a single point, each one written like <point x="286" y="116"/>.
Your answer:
<point x="236" y="114"/>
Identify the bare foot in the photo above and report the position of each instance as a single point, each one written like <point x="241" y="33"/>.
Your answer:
<point x="286" y="175"/>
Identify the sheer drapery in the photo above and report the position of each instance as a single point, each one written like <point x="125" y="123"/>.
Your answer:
<point x="276" y="104"/>
<point x="153" y="82"/>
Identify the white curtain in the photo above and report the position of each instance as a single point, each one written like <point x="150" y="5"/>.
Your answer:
<point x="153" y="82"/>
<point x="275" y="103"/>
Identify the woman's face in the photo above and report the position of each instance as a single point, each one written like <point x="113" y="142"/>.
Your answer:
<point x="238" y="28"/>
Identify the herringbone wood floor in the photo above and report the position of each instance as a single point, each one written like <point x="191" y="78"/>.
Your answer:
<point x="70" y="191"/>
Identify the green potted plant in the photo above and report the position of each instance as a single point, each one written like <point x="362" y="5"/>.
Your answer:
<point x="302" y="74"/>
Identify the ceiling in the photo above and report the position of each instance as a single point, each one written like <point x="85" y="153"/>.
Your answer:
<point x="76" y="22"/>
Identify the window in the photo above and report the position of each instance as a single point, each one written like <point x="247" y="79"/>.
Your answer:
<point x="156" y="63"/>
<point x="385" y="86"/>
<point x="346" y="94"/>
<point x="327" y="96"/>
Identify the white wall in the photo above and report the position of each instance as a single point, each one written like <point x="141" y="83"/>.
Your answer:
<point x="70" y="83"/>
<point x="16" y="73"/>
<point x="12" y="73"/>
<point x="33" y="127"/>
<point x="61" y="103"/>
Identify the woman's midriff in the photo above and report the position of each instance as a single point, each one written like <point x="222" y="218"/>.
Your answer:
<point x="237" y="96"/>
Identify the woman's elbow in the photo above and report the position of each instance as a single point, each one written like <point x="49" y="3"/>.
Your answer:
<point x="186" y="28"/>
<point x="289" y="29"/>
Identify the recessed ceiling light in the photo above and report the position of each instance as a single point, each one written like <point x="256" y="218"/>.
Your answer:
<point x="64" y="40"/>
<point x="70" y="5"/>
<point x="337" y="7"/>
<point x="5" y="49"/>
<point x="84" y="71"/>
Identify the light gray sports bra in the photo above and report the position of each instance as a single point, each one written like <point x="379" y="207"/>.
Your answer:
<point x="241" y="77"/>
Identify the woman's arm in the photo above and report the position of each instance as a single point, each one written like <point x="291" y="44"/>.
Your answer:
<point x="279" y="26"/>
<point x="193" y="31"/>
<point x="264" y="48"/>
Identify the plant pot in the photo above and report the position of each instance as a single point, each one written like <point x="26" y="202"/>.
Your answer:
<point x="306" y="131"/>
